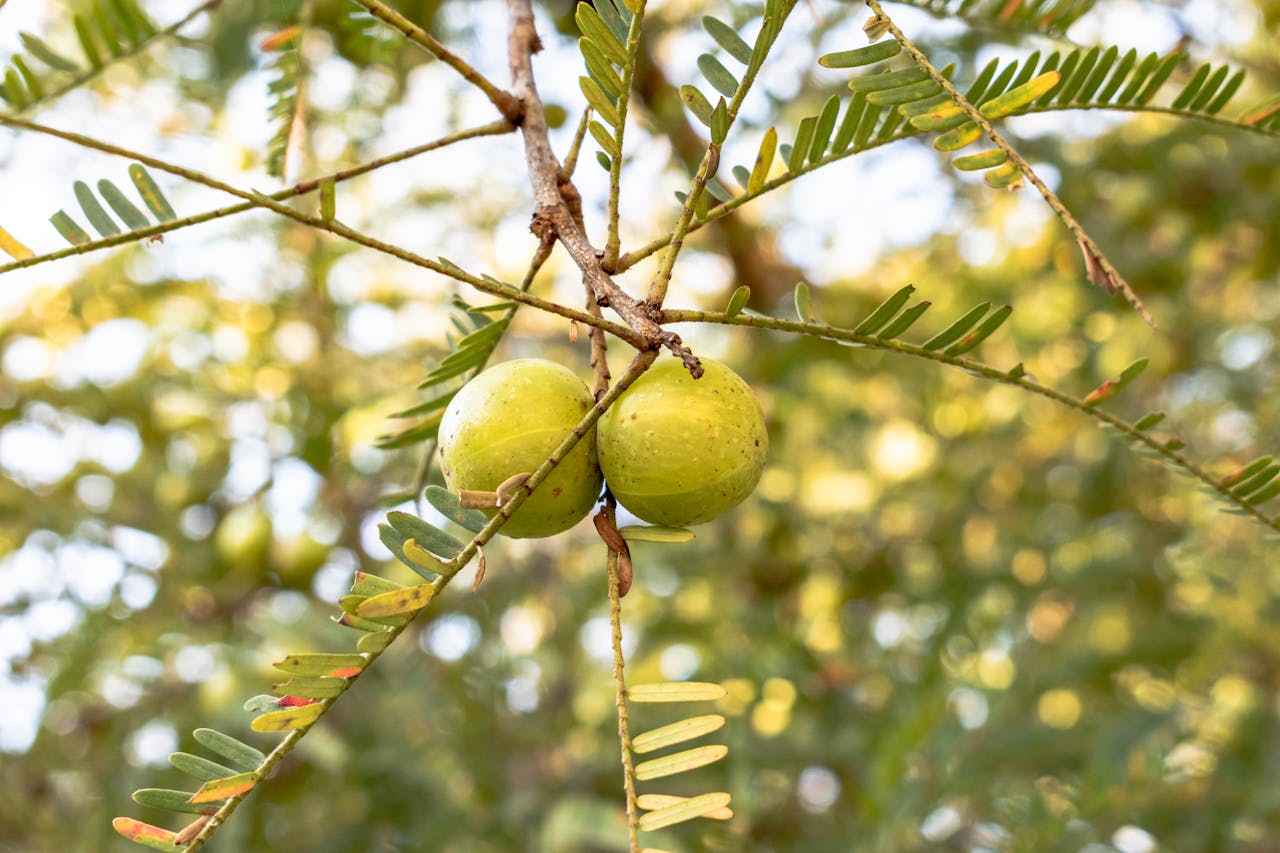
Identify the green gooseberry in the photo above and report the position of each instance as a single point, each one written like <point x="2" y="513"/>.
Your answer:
<point x="507" y="421"/>
<point x="678" y="451"/>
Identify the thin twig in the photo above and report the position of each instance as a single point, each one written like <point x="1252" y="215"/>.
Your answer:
<point x="504" y="101"/>
<point x="977" y="368"/>
<point x="301" y="188"/>
<point x="483" y="284"/>
<point x="575" y="147"/>
<point x="1100" y="270"/>
<point x="620" y="701"/>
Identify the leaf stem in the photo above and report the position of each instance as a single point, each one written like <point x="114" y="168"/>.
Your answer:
<point x="620" y="701"/>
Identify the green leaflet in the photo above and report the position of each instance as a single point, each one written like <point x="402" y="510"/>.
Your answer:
<point x="976" y="162"/>
<point x="957" y="330"/>
<point x="680" y="762"/>
<point x="764" y="161"/>
<point x="689" y="809"/>
<point x="93" y="210"/>
<point x="593" y="27"/>
<point x="120" y="204"/>
<point x="678" y="732"/>
<point x="1015" y="99"/>
<point x="884" y="311"/>
<point x="720" y="78"/>
<point x="868" y="55"/>
<point x="728" y="39"/>
<point x="738" y="301"/>
<point x="241" y="755"/>
<point x="697" y="103"/>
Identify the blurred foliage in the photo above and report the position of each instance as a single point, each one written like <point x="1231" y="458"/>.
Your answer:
<point x="952" y="617"/>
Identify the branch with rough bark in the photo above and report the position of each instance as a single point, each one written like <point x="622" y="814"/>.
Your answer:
<point x="558" y="206"/>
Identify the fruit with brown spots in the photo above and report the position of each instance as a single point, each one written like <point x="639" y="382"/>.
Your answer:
<point x="679" y="451"/>
<point x="507" y="421"/>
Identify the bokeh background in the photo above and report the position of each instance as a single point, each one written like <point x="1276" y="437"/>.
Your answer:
<point x="952" y="616"/>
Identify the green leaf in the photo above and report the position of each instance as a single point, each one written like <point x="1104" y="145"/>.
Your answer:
<point x="720" y="78"/>
<point x="764" y="161"/>
<point x="1092" y="83"/>
<point x="889" y="80"/>
<point x="697" y="103"/>
<point x="800" y="150"/>
<point x="978" y="87"/>
<point x="954" y="140"/>
<point x="613" y="18"/>
<point x="669" y="735"/>
<point x="1263" y="495"/>
<point x="448" y="505"/>
<point x="689" y="809"/>
<point x="738" y="301"/>
<point x="333" y="665"/>
<point x="904" y="321"/>
<point x="600" y="68"/>
<point x="125" y="209"/>
<point x="594" y="28"/>
<point x="431" y="538"/>
<point x="868" y="55"/>
<point x="241" y="755"/>
<point x="29" y="78"/>
<point x="41" y="51"/>
<point x="1225" y="95"/>
<point x="680" y="762"/>
<point x="655" y="533"/>
<point x="1161" y="73"/>
<point x="223" y="789"/>
<point x="375" y="642"/>
<point x="88" y="44"/>
<point x="675" y="691"/>
<point x="408" y="600"/>
<point x="1147" y="421"/>
<point x="904" y="94"/>
<point x="728" y="39"/>
<point x="309" y="687"/>
<point x="93" y="210"/>
<point x="957" y="330"/>
<point x="884" y="311"/>
<point x="984" y="331"/>
<point x="69" y="229"/>
<point x="719" y="131"/>
<point x="849" y="124"/>
<point x="1015" y="99"/>
<point x="984" y="160"/>
<point x="1257" y="481"/>
<point x="169" y="800"/>
<point x="599" y="101"/>
<point x="1192" y="88"/>
<point x="1006" y="175"/>
<point x="201" y="768"/>
<point x="1247" y="471"/>
<point x="608" y="144"/>
<point x="804" y="302"/>
<point x="287" y="719"/>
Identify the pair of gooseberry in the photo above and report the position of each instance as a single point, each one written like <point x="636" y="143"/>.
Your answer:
<point x="674" y="450"/>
